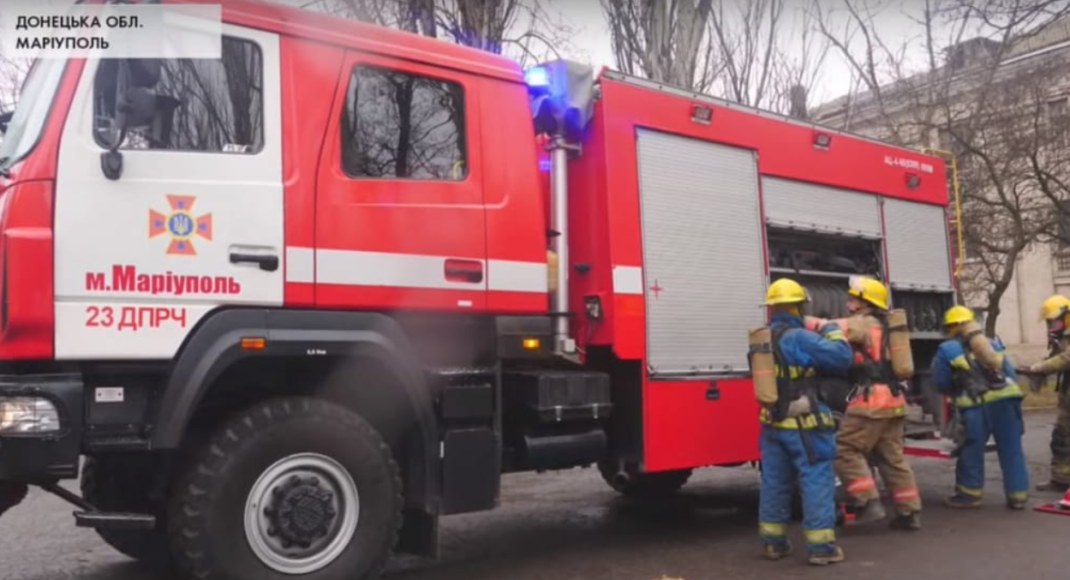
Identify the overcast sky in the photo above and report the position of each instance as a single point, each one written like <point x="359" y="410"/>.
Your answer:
<point x="893" y="24"/>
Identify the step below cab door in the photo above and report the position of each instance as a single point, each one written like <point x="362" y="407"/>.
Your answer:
<point x="194" y="221"/>
<point x="400" y="218"/>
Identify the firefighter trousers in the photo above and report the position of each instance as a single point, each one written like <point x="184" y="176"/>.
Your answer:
<point x="1002" y="420"/>
<point x="1060" y="441"/>
<point x="785" y="457"/>
<point x="861" y="437"/>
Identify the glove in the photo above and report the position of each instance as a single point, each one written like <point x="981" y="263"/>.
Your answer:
<point x="1036" y="382"/>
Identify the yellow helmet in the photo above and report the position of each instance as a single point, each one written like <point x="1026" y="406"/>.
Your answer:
<point x="785" y="291"/>
<point x="1054" y="307"/>
<point x="868" y="289"/>
<point x="958" y="315"/>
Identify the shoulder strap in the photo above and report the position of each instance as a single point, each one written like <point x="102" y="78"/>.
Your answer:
<point x="777" y="356"/>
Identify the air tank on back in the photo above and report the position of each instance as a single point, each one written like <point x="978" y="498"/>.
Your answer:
<point x="763" y="365"/>
<point x="980" y="346"/>
<point x="902" y="358"/>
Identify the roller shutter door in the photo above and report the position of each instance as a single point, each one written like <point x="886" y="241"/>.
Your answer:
<point x="814" y="207"/>
<point x="702" y="251"/>
<point x="917" y="245"/>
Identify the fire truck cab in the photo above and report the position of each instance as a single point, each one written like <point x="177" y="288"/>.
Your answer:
<point x="281" y="310"/>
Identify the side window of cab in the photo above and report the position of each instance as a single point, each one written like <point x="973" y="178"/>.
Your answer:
<point x="201" y="105"/>
<point x="398" y="125"/>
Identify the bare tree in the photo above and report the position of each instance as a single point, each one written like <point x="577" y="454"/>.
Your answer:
<point x="745" y="52"/>
<point x="521" y="29"/>
<point x="760" y="62"/>
<point x="973" y="97"/>
<point x="12" y="71"/>
<point x="663" y="40"/>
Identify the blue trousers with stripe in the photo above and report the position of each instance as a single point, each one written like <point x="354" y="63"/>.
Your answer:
<point x="1003" y="420"/>
<point x="784" y="459"/>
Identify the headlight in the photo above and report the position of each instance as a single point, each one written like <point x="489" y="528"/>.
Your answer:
<point x="28" y="415"/>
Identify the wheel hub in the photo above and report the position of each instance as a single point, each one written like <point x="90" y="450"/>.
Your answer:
<point x="301" y="511"/>
<point x="301" y="514"/>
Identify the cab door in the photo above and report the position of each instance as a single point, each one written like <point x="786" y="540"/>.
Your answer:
<point x="194" y="221"/>
<point x="400" y="217"/>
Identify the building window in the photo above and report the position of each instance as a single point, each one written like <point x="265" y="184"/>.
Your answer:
<point x="1062" y="263"/>
<point x="1059" y="109"/>
<point x="398" y="125"/>
<point x="1064" y="225"/>
<point x="950" y="143"/>
<point x="203" y="105"/>
<point x="1059" y="120"/>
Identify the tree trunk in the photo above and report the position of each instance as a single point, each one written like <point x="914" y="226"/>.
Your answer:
<point x="999" y="288"/>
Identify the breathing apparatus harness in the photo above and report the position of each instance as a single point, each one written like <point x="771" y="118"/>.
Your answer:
<point x="871" y="371"/>
<point x="979" y="379"/>
<point x="806" y="385"/>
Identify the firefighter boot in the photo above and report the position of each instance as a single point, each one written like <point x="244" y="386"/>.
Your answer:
<point x="962" y="501"/>
<point x="1015" y="503"/>
<point x="872" y="511"/>
<point x="826" y="556"/>
<point x="1055" y="486"/>
<point x="776" y="551"/>
<point x="909" y="522"/>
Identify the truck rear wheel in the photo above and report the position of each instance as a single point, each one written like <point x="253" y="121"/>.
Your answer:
<point x="292" y="488"/>
<point x="120" y="484"/>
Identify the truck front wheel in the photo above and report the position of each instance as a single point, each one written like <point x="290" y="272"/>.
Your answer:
<point x="292" y="488"/>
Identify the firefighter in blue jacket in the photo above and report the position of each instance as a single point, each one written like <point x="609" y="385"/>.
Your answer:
<point x="798" y="436"/>
<point x="988" y="401"/>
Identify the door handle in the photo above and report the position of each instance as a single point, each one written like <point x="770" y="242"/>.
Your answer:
<point x="265" y="262"/>
<point x="467" y="271"/>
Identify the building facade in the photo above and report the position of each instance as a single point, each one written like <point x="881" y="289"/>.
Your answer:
<point x="903" y="112"/>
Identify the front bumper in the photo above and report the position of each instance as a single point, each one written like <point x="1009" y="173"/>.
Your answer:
<point x="34" y="457"/>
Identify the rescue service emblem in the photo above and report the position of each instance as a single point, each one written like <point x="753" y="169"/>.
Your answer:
<point x="180" y="225"/>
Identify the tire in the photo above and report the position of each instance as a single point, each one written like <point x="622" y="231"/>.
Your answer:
<point x="344" y="512"/>
<point x="118" y="484"/>
<point x="644" y="485"/>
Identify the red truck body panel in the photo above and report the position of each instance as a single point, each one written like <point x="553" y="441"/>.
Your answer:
<point x="680" y="428"/>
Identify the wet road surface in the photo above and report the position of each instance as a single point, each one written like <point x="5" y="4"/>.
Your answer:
<point x="570" y="526"/>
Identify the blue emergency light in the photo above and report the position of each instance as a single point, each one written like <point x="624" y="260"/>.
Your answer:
<point x="562" y="97"/>
<point x="537" y="78"/>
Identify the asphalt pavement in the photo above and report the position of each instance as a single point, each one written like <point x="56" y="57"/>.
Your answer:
<point x="570" y="526"/>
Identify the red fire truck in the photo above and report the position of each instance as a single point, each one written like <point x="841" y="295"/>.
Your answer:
<point x="282" y="310"/>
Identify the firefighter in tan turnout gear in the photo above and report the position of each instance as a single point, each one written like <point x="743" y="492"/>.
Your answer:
<point x="874" y="423"/>
<point x="1056" y="313"/>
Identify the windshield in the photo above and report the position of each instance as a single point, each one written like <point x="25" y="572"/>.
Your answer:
<point x="25" y="127"/>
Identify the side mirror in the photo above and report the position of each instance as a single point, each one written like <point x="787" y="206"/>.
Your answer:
<point x="138" y="106"/>
<point x="143" y="72"/>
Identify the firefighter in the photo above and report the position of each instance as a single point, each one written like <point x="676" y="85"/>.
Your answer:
<point x="874" y="422"/>
<point x="977" y="374"/>
<point x="1056" y="312"/>
<point x="798" y="430"/>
